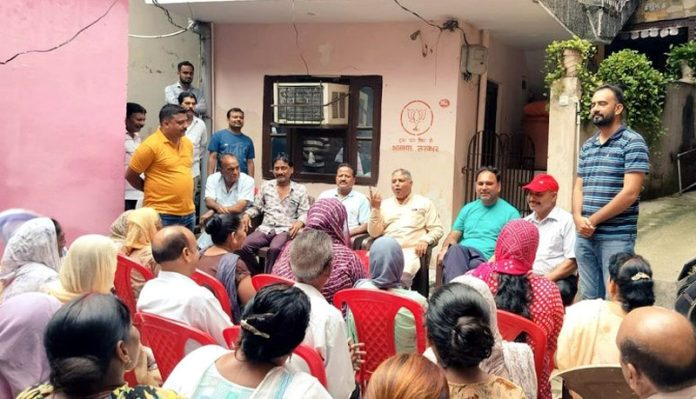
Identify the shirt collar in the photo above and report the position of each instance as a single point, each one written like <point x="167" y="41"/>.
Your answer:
<point x="553" y="215"/>
<point x="309" y="290"/>
<point x="338" y="196"/>
<point x="615" y="136"/>
<point x="173" y="276"/>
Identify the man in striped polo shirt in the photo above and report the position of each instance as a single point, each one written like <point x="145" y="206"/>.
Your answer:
<point x="611" y="170"/>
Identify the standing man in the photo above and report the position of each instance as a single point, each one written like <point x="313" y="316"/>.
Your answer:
<point x="410" y="219"/>
<point x="232" y="141"/>
<point x="166" y="158"/>
<point x="555" y="256"/>
<point x="185" y="83"/>
<point x="198" y="134"/>
<point x="284" y="205"/>
<point x="611" y="170"/>
<point x="356" y="203"/>
<point x="135" y="120"/>
<point x="476" y="229"/>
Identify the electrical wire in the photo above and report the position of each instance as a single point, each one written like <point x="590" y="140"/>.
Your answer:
<point x="417" y="15"/>
<point x="108" y="10"/>
<point x="191" y="24"/>
<point x="297" y="38"/>
<point x="166" y="12"/>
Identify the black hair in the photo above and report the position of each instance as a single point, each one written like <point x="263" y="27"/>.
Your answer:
<point x="514" y="294"/>
<point x="170" y="247"/>
<point x="458" y="325"/>
<point x="81" y="340"/>
<point x="220" y="226"/>
<point x="346" y="165"/>
<point x="134" y="108"/>
<point x="282" y="157"/>
<point x="234" y="109"/>
<point x="665" y="376"/>
<point x="489" y="168"/>
<point x="616" y="90"/>
<point x="633" y="275"/>
<point x="57" y="226"/>
<point x="169" y="110"/>
<point x="183" y="64"/>
<point x="281" y="314"/>
<point x="185" y="94"/>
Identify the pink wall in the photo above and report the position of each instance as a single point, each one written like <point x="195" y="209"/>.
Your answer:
<point x="63" y="111"/>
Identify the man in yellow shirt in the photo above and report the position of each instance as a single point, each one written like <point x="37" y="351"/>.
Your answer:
<point x="166" y="158"/>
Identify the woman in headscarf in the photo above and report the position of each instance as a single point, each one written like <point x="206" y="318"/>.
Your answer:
<point x="329" y="215"/>
<point x="143" y="223"/>
<point x="518" y="291"/>
<point x="23" y="362"/>
<point x="31" y="259"/>
<point x="119" y="229"/>
<point x="89" y="266"/>
<point x="386" y="268"/>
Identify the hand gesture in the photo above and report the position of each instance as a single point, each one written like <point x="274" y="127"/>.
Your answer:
<point x="246" y="222"/>
<point x="294" y="229"/>
<point x="356" y="354"/>
<point x="584" y="227"/>
<point x="375" y="199"/>
<point x="421" y="248"/>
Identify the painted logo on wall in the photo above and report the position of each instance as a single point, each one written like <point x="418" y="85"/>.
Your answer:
<point x="416" y="117"/>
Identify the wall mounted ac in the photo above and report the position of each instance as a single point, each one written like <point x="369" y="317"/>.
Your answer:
<point x="311" y="103"/>
<point x="474" y="59"/>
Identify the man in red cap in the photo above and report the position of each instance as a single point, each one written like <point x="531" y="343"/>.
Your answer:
<point x="555" y="257"/>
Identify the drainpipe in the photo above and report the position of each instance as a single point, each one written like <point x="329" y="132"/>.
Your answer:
<point x="205" y="34"/>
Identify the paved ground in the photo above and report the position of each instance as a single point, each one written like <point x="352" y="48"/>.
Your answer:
<point x="667" y="239"/>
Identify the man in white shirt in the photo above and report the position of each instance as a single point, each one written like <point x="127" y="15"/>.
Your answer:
<point x="173" y="294"/>
<point x="228" y="190"/>
<point x="356" y="203"/>
<point x="555" y="257"/>
<point x="310" y="260"/>
<point x="198" y="134"/>
<point x="658" y="353"/>
<point x="185" y="83"/>
<point x="135" y="120"/>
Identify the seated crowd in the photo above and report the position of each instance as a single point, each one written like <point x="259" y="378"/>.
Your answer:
<point x="66" y="335"/>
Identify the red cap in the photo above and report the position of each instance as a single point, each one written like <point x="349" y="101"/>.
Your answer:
<point x="542" y="183"/>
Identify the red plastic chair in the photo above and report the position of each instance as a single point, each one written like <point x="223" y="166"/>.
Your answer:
<point x="374" y="312"/>
<point x="167" y="338"/>
<point x="364" y="257"/>
<point x="215" y="286"/>
<point x="123" y="283"/>
<point x="512" y="325"/>
<point x="310" y="355"/>
<point x="261" y="280"/>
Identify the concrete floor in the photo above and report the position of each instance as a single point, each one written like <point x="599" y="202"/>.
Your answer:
<point x="667" y="239"/>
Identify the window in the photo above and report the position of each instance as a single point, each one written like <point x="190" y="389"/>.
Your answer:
<point x="316" y="150"/>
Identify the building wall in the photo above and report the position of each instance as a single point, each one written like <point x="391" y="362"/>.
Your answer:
<point x="63" y="109"/>
<point x="243" y="54"/>
<point x="152" y="62"/>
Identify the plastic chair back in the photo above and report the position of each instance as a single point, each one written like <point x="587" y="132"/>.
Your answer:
<point x="215" y="286"/>
<point x="261" y="280"/>
<point x="374" y="312"/>
<point x="123" y="282"/>
<point x="167" y="338"/>
<point x="310" y="355"/>
<point x="364" y="257"/>
<point x="512" y="325"/>
<point x="597" y="382"/>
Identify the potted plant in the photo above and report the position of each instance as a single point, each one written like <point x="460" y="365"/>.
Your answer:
<point x="681" y="62"/>
<point x="570" y="58"/>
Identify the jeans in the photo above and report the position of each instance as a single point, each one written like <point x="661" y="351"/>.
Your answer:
<point x="593" y="255"/>
<point x="187" y="221"/>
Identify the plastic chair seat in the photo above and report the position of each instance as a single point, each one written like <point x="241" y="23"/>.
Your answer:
<point x="511" y="326"/>
<point x="123" y="280"/>
<point x="261" y="280"/>
<point x="206" y="280"/>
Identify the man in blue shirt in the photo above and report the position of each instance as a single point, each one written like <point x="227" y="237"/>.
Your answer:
<point x="611" y="170"/>
<point x="476" y="229"/>
<point x="232" y="141"/>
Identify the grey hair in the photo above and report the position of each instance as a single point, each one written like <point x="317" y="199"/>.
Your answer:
<point x="404" y="172"/>
<point x="310" y="254"/>
<point x="229" y="155"/>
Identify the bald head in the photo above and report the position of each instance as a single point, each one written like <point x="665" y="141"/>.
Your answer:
<point x="174" y="248"/>
<point x="658" y="344"/>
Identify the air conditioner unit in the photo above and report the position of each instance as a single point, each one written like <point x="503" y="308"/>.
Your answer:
<point x="310" y="103"/>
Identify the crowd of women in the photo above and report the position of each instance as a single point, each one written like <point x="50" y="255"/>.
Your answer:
<point x="65" y="335"/>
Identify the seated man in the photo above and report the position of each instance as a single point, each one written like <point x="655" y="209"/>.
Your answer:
<point x="356" y="203"/>
<point x="476" y="229"/>
<point x="658" y="353"/>
<point x="284" y="205"/>
<point x="555" y="256"/>
<point x="173" y="294"/>
<point x="410" y="219"/>
<point x="226" y="191"/>
<point x="310" y="260"/>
